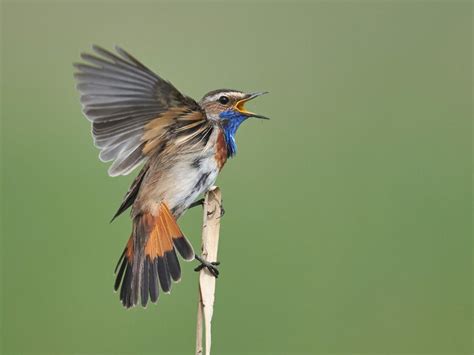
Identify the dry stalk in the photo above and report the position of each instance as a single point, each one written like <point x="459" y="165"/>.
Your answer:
<point x="207" y="282"/>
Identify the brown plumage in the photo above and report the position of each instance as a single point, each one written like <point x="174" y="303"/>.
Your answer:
<point x="150" y="255"/>
<point x="138" y="117"/>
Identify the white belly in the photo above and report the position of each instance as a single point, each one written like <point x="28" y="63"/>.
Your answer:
<point x="188" y="179"/>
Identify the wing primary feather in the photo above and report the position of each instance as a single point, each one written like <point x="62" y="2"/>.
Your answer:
<point x="119" y="68"/>
<point x="111" y="79"/>
<point x="107" y="54"/>
<point x="125" y="165"/>
<point x="121" y="97"/>
<point x="132" y="59"/>
<point x="106" y="115"/>
<point x="87" y="71"/>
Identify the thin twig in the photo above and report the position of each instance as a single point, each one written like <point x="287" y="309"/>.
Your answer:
<point x="207" y="282"/>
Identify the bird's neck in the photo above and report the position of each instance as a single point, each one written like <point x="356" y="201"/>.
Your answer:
<point x="230" y="127"/>
<point x="230" y="143"/>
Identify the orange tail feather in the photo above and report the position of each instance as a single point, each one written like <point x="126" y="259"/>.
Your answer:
<point x="150" y="257"/>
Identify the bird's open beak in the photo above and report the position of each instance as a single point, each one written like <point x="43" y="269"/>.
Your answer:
<point x="239" y="106"/>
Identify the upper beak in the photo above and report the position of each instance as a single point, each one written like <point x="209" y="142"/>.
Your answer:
<point x="240" y="105"/>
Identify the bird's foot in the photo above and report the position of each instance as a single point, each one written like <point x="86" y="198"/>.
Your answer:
<point x="222" y="209"/>
<point x="200" y="202"/>
<point x="210" y="265"/>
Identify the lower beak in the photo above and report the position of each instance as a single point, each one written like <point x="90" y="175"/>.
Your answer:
<point x="240" y="105"/>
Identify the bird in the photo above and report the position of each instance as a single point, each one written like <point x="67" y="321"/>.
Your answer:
<point x="140" y="119"/>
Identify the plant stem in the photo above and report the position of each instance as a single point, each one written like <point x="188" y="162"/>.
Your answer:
<point x="212" y="212"/>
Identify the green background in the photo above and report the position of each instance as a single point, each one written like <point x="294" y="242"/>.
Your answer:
<point x="348" y="225"/>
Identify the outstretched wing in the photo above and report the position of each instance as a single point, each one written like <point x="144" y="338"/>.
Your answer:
<point x="133" y="111"/>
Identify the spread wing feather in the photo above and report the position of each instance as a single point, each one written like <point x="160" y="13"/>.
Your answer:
<point x="132" y="109"/>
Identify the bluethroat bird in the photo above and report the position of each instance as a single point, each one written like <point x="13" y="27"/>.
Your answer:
<point x="138" y="117"/>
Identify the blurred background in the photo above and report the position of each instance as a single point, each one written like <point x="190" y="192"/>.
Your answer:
<point x="348" y="224"/>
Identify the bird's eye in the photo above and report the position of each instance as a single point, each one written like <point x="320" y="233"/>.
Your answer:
<point x="224" y="100"/>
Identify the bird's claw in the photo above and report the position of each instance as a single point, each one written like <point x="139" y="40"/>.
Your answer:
<point x="210" y="266"/>
<point x="200" y="202"/>
<point x="221" y="206"/>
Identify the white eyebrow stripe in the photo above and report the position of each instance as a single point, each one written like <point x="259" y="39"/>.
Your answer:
<point x="225" y="93"/>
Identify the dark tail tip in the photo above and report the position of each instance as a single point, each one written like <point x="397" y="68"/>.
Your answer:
<point x="185" y="249"/>
<point x="126" y="292"/>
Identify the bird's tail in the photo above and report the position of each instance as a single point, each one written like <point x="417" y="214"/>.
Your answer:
<point x="150" y="257"/>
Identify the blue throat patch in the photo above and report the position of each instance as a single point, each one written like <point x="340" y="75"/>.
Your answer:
<point x="231" y="120"/>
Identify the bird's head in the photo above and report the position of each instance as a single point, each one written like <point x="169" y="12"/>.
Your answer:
<point x="227" y="107"/>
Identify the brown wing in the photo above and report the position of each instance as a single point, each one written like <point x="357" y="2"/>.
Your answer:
<point x="133" y="111"/>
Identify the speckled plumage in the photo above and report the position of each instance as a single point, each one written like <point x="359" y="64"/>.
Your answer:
<point x="139" y="118"/>
<point x="179" y="177"/>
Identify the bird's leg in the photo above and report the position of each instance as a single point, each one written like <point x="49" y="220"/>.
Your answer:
<point x="199" y="202"/>
<point x="211" y="266"/>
